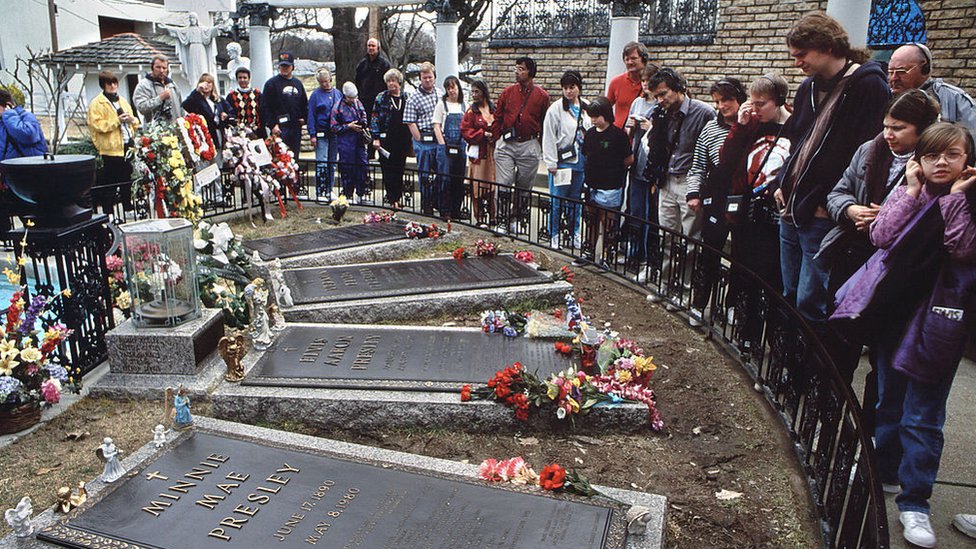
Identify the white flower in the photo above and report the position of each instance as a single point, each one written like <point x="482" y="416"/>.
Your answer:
<point x="561" y="412"/>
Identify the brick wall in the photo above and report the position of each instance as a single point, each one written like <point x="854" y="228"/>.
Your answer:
<point x="750" y="42"/>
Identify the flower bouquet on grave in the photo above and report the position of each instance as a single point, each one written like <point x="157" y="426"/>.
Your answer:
<point x="165" y="181"/>
<point x="414" y="230"/>
<point x="525" y="256"/>
<point x="284" y="169"/>
<point x="552" y="478"/>
<point x="117" y="286"/>
<point x="383" y="217"/>
<point x="222" y="265"/>
<point x="485" y="248"/>
<point x="246" y="171"/>
<point x="196" y="136"/>
<point x="510" y="324"/>
<point x="339" y="206"/>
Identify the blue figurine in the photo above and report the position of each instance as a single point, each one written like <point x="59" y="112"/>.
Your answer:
<point x="181" y="407"/>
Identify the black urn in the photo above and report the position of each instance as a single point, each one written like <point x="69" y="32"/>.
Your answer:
<point x="51" y="190"/>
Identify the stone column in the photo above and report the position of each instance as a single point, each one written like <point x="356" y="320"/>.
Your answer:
<point x="624" y="27"/>
<point x="854" y="16"/>
<point x="259" y="30"/>
<point x="446" y="40"/>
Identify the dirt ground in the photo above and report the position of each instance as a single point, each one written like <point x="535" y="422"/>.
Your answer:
<point x="719" y="434"/>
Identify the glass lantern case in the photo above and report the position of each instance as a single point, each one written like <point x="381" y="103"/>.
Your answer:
<point x="160" y="266"/>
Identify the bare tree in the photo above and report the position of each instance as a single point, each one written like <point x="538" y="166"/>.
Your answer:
<point x="38" y="74"/>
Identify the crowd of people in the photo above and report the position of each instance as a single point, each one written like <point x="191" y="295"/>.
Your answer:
<point x="868" y="160"/>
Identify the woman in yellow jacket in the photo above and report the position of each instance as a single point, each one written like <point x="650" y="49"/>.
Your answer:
<point x="112" y="126"/>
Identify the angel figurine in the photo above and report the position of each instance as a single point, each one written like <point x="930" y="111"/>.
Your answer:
<point x="256" y="294"/>
<point x="109" y="455"/>
<point x="180" y="409"/>
<point x="281" y="290"/>
<point x="19" y="518"/>
<point x="159" y="435"/>
<point x="68" y="500"/>
<point x="277" y="319"/>
<point x="232" y="350"/>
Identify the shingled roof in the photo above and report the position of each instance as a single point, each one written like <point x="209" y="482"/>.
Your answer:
<point x="122" y="49"/>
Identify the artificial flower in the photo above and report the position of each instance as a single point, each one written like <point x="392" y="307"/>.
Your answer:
<point x="552" y="477"/>
<point x="51" y="391"/>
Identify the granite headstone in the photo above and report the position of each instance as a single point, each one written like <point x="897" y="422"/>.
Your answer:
<point x="325" y="240"/>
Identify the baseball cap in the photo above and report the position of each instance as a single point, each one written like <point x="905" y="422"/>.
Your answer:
<point x="286" y="58"/>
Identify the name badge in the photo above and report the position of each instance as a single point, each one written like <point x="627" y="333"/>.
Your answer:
<point x="426" y="138"/>
<point x="707" y="201"/>
<point x="284" y="119"/>
<point x="454" y="151"/>
<point x="733" y="207"/>
<point x="319" y="134"/>
<point x="508" y="135"/>
<point x="567" y="154"/>
<point x="383" y="135"/>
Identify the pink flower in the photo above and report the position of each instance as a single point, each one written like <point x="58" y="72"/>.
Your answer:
<point x="509" y="468"/>
<point x="51" y="391"/>
<point x="489" y="470"/>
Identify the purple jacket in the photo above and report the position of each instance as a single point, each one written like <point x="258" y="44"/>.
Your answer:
<point x="935" y="338"/>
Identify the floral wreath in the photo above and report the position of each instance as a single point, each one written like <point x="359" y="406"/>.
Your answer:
<point x="195" y="132"/>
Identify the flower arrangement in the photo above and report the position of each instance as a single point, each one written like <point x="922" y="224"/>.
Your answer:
<point x="30" y="371"/>
<point x="339" y="206"/>
<point x="507" y="323"/>
<point x="246" y="171"/>
<point x="195" y="133"/>
<point x="222" y="275"/>
<point x="383" y="217"/>
<point x="564" y="273"/>
<point x="553" y="477"/>
<point x="459" y="253"/>
<point x="165" y="179"/>
<point x="525" y="256"/>
<point x="284" y="168"/>
<point x="117" y="284"/>
<point x="485" y="249"/>
<point x="420" y="230"/>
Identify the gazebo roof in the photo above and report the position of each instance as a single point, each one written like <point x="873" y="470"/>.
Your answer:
<point x="122" y="49"/>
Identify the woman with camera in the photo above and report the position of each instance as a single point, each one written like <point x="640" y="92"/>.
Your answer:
<point x="352" y="133"/>
<point x="112" y="125"/>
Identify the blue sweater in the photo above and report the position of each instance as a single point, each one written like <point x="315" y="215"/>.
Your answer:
<point x="320" y="106"/>
<point x="20" y="134"/>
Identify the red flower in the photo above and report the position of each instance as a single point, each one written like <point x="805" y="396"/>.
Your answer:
<point x="145" y="141"/>
<point x="150" y="156"/>
<point x="460" y="254"/>
<point x="465" y="393"/>
<point x="502" y="391"/>
<point x="552" y="477"/>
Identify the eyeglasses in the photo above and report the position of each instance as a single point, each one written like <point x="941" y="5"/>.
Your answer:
<point x="901" y="72"/>
<point x="950" y="157"/>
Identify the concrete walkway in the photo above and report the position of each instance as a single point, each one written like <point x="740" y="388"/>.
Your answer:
<point x="955" y="488"/>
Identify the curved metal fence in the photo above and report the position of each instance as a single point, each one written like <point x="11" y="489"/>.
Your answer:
<point x="740" y="310"/>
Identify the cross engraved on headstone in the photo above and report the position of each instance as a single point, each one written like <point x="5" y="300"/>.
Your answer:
<point x="156" y="474"/>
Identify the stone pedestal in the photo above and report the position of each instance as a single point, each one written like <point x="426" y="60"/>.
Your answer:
<point x="164" y="350"/>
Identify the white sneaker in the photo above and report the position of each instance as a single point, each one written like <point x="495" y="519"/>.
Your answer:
<point x="918" y="529"/>
<point x="554" y="243"/>
<point x="654" y="297"/>
<point x="695" y="318"/>
<point x="891" y="488"/>
<point x="965" y="524"/>
<point x="577" y="241"/>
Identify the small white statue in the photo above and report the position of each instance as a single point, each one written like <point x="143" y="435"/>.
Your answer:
<point x="109" y="455"/>
<point x="637" y="519"/>
<point x="19" y="518"/>
<point x="236" y="59"/>
<point x="196" y="45"/>
<point x="282" y="291"/>
<point x="256" y="294"/>
<point x="159" y="436"/>
<point x="256" y="258"/>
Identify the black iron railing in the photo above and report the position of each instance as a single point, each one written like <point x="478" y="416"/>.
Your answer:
<point x="740" y="310"/>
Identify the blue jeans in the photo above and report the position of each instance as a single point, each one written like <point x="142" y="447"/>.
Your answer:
<point x="570" y="211"/>
<point x="426" y="154"/>
<point x="642" y="204"/>
<point x="325" y="159"/>
<point x="450" y="182"/>
<point x="805" y="279"/>
<point x="908" y="430"/>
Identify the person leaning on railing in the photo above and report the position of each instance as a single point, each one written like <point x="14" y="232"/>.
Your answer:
<point x="476" y="131"/>
<point x="876" y="170"/>
<point x="917" y="363"/>
<point x="112" y="125"/>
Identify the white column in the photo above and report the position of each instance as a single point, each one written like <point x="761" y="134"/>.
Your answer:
<point x="623" y="29"/>
<point x="853" y="15"/>
<point x="261" y="67"/>
<point x="446" y="52"/>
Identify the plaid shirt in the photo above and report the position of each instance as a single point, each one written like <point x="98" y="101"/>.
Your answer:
<point x="420" y="108"/>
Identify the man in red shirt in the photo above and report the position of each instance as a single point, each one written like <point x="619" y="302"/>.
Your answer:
<point x="626" y="87"/>
<point x="517" y="129"/>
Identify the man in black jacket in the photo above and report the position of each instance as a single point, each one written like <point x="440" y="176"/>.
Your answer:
<point x="284" y="104"/>
<point x="369" y="79"/>
<point x="837" y="108"/>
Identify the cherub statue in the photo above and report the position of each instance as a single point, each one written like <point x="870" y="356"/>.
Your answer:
<point x="109" y="455"/>
<point x="277" y="319"/>
<point x="180" y="409"/>
<point x="282" y="291"/>
<point x="232" y="350"/>
<point x="159" y="435"/>
<point x="68" y="500"/>
<point x="256" y="294"/>
<point x="19" y="518"/>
